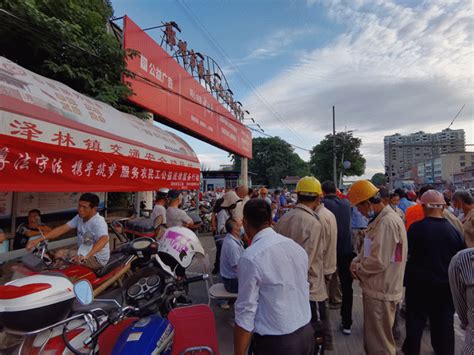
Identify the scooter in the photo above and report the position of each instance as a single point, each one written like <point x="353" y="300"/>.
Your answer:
<point x="40" y="261"/>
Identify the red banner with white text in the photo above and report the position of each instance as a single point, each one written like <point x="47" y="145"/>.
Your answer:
<point x="27" y="165"/>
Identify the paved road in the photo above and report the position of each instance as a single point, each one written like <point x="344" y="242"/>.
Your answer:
<point x="344" y="345"/>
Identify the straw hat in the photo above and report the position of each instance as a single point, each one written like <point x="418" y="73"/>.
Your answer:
<point x="230" y="198"/>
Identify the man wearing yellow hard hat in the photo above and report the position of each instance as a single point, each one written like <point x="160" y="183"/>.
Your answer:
<point x="304" y="226"/>
<point x="379" y="267"/>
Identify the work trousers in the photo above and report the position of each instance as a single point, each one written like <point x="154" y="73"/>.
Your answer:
<point x="334" y="289"/>
<point x="378" y="321"/>
<point x="435" y="303"/>
<point x="321" y="327"/>
<point x="345" y="277"/>
<point x="300" y="342"/>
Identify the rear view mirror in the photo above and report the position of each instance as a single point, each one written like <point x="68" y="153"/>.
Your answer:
<point x="83" y="292"/>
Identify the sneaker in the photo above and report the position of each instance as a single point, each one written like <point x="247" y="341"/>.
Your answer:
<point x="346" y="330"/>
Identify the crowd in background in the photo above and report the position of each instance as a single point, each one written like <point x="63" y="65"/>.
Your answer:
<point x="406" y="249"/>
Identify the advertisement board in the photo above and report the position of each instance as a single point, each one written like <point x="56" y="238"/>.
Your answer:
<point x="162" y="86"/>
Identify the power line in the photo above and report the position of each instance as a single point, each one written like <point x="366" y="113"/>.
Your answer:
<point x="144" y="79"/>
<point x="244" y="79"/>
<point x="270" y="136"/>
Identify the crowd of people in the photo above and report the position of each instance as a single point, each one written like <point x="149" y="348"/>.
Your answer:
<point x="291" y="256"/>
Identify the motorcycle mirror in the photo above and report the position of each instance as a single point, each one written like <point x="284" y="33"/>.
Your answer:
<point x="83" y="292"/>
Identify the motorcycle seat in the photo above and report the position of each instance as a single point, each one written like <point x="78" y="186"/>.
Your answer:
<point x="106" y="306"/>
<point x="114" y="261"/>
<point x="98" y="303"/>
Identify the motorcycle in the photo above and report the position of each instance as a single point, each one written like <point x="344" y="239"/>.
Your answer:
<point x="205" y="213"/>
<point x="130" y="329"/>
<point x="153" y="289"/>
<point x="40" y="261"/>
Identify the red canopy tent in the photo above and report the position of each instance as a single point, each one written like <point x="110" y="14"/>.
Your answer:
<point x="54" y="139"/>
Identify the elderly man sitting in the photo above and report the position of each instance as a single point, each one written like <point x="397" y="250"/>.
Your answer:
<point x="232" y="249"/>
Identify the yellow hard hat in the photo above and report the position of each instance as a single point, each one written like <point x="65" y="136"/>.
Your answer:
<point x="361" y="191"/>
<point x="309" y="185"/>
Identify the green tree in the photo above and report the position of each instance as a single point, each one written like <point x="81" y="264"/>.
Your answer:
<point x="273" y="159"/>
<point x="67" y="40"/>
<point x="379" y="179"/>
<point x="347" y="148"/>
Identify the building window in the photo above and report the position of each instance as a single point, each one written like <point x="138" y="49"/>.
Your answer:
<point x="462" y="164"/>
<point x="462" y="157"/>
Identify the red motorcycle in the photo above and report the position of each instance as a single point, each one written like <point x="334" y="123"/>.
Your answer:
<point x="41" y="262"/>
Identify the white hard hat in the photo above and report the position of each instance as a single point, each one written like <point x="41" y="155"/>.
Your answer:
<point x="181" y="244"/>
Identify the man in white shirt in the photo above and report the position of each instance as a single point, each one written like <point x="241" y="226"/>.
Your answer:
<point x="273" y="301"/>
<point x="92" y="234"/>
<point x="159" y="209"/>
<point x="174" y="215"/>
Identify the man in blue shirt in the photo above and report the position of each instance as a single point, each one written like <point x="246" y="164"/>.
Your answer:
<point x="232" y="249"/>
<point x="404" y="202"/>
<point x="273" y="301"/>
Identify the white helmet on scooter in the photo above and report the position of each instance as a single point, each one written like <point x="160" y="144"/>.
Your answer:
<point x="181" y="244"/>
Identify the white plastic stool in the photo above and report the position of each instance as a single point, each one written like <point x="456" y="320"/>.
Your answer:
<point x="218" y="292"/>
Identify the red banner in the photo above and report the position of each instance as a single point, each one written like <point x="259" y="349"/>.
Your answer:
<point x="162" y="86"/>
<point x="27" y="165"/>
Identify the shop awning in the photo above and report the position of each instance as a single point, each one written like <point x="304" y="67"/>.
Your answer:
<point x="54" y="139"/>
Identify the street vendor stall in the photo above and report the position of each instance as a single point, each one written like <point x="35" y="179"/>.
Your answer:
<point x="54" y="139"/>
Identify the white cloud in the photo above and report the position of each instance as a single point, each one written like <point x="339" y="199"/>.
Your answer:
<point x="395" y="69"/>
<point x="273" y="45"/>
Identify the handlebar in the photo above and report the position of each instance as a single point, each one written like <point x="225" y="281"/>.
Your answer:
<point x="193" y="279"/>
<point x="113" y="318"/>
<point x="98" y="332"/>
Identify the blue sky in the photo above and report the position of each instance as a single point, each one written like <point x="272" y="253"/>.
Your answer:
<point x="388" y="66"/>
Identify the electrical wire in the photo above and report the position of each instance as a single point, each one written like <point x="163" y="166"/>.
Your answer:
<point x="244" y="79"/>
<point x="146" y="80"/>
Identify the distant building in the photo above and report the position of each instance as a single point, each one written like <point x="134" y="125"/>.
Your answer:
<point x="443" y="169"/>
<point x="464" y="179"/>
<point x="222" y="179"/>
<point x="403" y="152"/>
<point x="290" y="182"/>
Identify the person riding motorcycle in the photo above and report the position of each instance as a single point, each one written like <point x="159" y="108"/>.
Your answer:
<point x="92" y="234"/>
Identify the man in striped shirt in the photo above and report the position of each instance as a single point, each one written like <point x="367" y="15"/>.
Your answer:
<point x="461" y="280"/>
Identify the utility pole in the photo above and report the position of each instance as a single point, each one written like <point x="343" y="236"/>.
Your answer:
<point x="334" y="163"/>
<point x="244" y="171"/>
